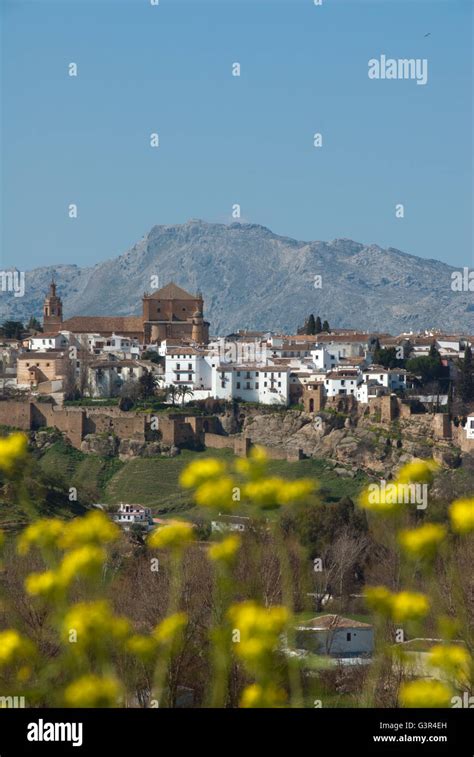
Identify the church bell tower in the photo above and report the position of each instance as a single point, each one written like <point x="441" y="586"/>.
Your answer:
<point x="52" y="309"/>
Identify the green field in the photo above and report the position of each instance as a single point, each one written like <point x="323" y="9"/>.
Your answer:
<point x="154" y="481"/>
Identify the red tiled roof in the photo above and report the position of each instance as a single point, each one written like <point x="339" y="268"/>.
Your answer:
<point x="97" y="324"/>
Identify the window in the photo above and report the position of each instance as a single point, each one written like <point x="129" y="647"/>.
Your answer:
<point x="222" y="384"/>
<point x="238" y="385"/>
<point x="190" y="365"/>
<point x="178" y="366"/>
<point x="342" y="382"/>
<point x="279" y="383"/>
<point x="238" y="373"/>
<point x="47" y="365"/>
<point x="247" y="386"/>
<point x="256" y="385"/>
<point x="27" y="365"/>
<point x="265" y="383"/>
<point x="190" y="376"/>
<point x="348" y="636"/>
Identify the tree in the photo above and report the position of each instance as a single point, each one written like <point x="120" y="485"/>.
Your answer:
<point x="34" y="325"/>
<point x="311" y="325"/>
<point x="326" y="327"/>
<point x="152" y="356"/>
<point x="466" y="383"/>
<point x="148" y="383"/>
<point x="318" y="327"/>
<point x="185" y="391"/>
<point x="172" y="392"/>
<point x="12" y="329"/>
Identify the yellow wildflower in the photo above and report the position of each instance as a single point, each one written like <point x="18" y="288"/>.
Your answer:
<point x="425" y="694"/>
<point x="256" y="695"/>
<point x="423" y="541"/>
<point x="93" y="528"/>
<point x="143" y="647"/>
<point x="383" y="499"/>
<point x="409" y="605"/>
<point x="462" y="516"/>
<point x="293" y="491"/>
<point x="12" y="452"/>
<point x="175" y="535"/>
<point x="216" y="494"/>
<point x="93" y="691"/>
<point x="45" y="584"/>
<point x="379" y="598"/>
<point x="418" y="471"/>
<point x="254" y="465"/>
<point x="266" y="493"/>
<point x="168" y="631"/>
<point x="258" y="630"/>
<point x="44" y="533"/>
<point x="200" y="471"/>
<point x="94" y="623"/>
<point x="13" y="647"/>
<point x="85" y="561"/>
<point x="225" y="550"/>
<point x="454" y="659"/>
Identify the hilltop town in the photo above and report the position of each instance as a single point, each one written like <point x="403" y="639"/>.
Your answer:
<point x="153" y="384"/>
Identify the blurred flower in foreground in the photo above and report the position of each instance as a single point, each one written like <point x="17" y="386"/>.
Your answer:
<point x="94" y="623"/>
<point x="259" y="629"/>
<point x="406" y="605"/>
<point x="200" y="471"/>
<point x="93" y="528"/>
<point x="256" y="695"/>
<point x="423" y="541"/>
<point x="175" y="535"/>
<point x="43" y="534"/>
<point x="12" y="452"/>
<point x="216" y="494"/>
<point x="14" y="648"/>
<point x="453" y="659"/>
<point x="418" y="471"/>
<point x="224" y="551"/>
<point x="169" y="630"/>
<point x="425" y="694"/>
<point x="462" y="516"/>
<point x="93" y="691"/>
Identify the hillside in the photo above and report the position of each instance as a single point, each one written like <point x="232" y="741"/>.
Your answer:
<point x="251" y="277"/>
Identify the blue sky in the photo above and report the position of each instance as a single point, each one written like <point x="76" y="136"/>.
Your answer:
<point x="226" y="140"/>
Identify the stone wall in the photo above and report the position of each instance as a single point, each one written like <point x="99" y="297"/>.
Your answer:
<point x="217" y="441"/>
<point x="17" y="414"/>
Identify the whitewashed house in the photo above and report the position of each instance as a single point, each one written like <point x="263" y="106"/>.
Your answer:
<point x="335" y="636"/>
<point x="393" y="379"/>
<point x="469" y="427"/>
<point x="341" y="383"/>
<point x="131" y="515"/>
<point x="268" y="385"/>
<point x="57" y="340"/>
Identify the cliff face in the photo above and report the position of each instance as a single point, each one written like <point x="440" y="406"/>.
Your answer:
<point x="253" y="278"/>
<point x="354" y="440"/>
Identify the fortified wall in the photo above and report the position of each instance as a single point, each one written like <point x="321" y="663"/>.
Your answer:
<point x="77" y="422"/>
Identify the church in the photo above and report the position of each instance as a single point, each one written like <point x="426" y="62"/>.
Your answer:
<point x="169" y="313"/>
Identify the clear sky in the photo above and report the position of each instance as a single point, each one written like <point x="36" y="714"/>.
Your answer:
<point x="226" y="139"/>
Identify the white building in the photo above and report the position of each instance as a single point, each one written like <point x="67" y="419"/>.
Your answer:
<point x="469" y="427"/>
<point x="341" y="383"/>
<point x="335" y="636"/>
<point x="392" y="379"/>
<point x="130" y="515"/>
<point x="187" y="366"/>
<point x="251" y="383"/>
<point x="57" y="340"/>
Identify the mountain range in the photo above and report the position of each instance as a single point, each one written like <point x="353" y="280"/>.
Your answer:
<point x="253" y="278"/>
